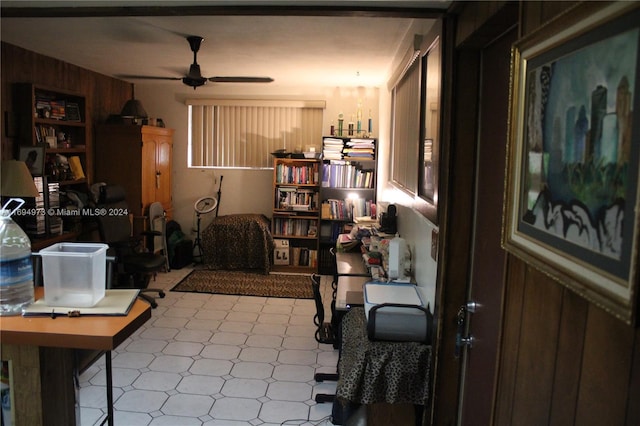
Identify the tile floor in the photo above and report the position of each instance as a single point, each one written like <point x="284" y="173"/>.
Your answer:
<point x="215" y="360"/>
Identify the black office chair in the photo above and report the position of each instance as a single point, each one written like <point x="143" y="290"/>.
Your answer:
<point x="134" y="266"/>
<point x="324" y="334"/>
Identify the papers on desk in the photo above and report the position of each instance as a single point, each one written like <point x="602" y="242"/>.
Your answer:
<point x="365" y="220"/>
<point x="346" y="242"/>
<point x="114" y="303"/>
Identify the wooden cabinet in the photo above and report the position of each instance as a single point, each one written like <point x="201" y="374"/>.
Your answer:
<point x="294" y="225"/>
<point x="138" y="158"/>
<point x="55" y="142"/>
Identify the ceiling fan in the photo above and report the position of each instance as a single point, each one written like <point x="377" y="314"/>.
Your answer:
<point x="194" y="77"/>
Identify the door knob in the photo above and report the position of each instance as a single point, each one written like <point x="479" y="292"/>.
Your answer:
<point x="469" y="307"/>
<point x="472" y="307"/>
<point x="468" y="341"/>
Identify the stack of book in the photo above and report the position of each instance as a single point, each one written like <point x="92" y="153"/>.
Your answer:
<point x="38" y="222"/>
<point x="332" y="149"/>
<point x="58" y="110"/>
<point x="359" y="148"/>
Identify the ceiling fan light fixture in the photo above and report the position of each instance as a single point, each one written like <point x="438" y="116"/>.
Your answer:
<point x="133" y="109"/>
<point x="194" y="81"/>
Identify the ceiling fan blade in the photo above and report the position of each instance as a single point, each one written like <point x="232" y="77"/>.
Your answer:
<point x="148" y="77"/>
<point x="240" y="79"/>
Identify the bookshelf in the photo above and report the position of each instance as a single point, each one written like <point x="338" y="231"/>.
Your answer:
<point x="56" y="143"/>
<point x="294" y="226"/>
<point x="347" y="190"/>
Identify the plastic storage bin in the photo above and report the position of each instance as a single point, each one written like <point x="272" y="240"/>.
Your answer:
<point x="74" y="274"/>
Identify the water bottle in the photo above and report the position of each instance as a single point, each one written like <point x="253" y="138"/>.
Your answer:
<point x="16" y="270"/>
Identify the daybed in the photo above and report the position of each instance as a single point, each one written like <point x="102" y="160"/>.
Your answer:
<point x="238" y="241"/>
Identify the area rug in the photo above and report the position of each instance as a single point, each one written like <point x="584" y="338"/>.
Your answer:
<point x="246" y="284"/>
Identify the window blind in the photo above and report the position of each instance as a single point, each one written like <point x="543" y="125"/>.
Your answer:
<point x="406" y="129"/>
<point x="243" y="133"/>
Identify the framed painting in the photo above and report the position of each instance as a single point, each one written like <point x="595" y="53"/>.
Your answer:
<point x="34" y="158"/>
<point x="571" y="202"/>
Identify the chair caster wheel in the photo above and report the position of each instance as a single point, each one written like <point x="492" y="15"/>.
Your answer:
<point x="154" y="305"/>
<point x="161" y="294"/>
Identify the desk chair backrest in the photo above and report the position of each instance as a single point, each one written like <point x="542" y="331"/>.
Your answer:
<point x="114" y="222"/>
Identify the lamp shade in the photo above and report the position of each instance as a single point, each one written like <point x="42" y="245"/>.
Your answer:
<point x="16" y="180"/>
<point x="133" y="109"/>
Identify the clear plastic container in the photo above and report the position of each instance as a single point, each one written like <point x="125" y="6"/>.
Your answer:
<point x="74" y="274"/>
<point x="16" y="270"/>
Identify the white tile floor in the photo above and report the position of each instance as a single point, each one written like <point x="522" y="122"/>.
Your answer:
<point x="215" y="360"/>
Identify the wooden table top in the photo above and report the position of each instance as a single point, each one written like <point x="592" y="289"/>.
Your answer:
<point x="351" y="263"/>
<point x="350" y="292"/>
<point x="88" y="332"/>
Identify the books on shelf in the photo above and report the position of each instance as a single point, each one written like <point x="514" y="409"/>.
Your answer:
<point x="294" y="198"/>
<point x="303" y="256"/>
<point x="349" y="208"/>
<point x="346" y="174"/>
<point x="299" y="174"/>
<point x="294" y="227"/>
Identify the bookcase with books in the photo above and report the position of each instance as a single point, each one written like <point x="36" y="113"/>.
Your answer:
<point x="55" y="142"/>
<point x="295" y="221"/>
<point x="348" y="189"/>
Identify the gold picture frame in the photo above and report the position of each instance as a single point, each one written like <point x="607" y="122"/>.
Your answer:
<point x="573" y="154"/>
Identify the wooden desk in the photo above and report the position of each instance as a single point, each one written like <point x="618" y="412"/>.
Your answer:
<point x="43" y="359"/>
<point x="350" y="292"/>
<point x="351" y="263"/>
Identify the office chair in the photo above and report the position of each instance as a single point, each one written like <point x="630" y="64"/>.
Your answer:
<point x="158" y="224"/>
<point x="324" y="334"/>
<point x="134" y="266"/>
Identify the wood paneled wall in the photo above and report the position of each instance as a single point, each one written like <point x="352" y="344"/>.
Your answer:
<point x="563" y="361"/>
<point x="105" y="95"/>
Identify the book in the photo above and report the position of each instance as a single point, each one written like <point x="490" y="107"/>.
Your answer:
<point x="76" y="167"/>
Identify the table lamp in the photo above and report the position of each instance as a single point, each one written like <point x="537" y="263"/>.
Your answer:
<point x="16" y="181"/>
<point x="133" y="110"/>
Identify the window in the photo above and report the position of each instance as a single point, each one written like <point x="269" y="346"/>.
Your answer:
<point x="244" y="133"/>
<point x="405" y="121"/>
<point x="429" y="168"/>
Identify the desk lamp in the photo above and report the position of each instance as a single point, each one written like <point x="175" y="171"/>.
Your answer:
<point x="16" y="181"/>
